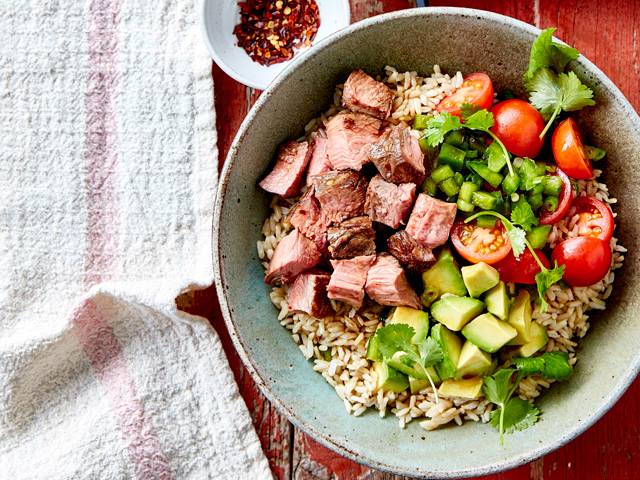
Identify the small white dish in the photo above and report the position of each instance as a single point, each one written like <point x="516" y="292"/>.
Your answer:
<point x="219" y="17"/>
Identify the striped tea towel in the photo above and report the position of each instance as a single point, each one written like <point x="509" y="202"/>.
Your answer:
<point x="107" y="178"/>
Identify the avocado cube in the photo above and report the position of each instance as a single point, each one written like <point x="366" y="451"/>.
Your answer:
<point x="390" y="379"/>
<point x="473" y="361"/>
<point x="373" y="349"/>
<point x="497" y="301"/>
<point x="455" y="312"/>
<point x="450" y="345"/>
<point x="489" y="333"/>
<point x="416" y="319"/>
<point x="470" y="388"/>
<point x="538" y="340"/>
<point x="520" y="318"/>
<point x="443" y="277"/>
<point x="418" y="384"/>
<point x="479" y="278"/>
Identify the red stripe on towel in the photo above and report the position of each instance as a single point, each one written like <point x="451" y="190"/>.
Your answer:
<point x="95" y="334"/>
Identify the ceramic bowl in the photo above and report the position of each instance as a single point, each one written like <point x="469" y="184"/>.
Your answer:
<point x="468" y="40"/>
<point x="219" y="17"/>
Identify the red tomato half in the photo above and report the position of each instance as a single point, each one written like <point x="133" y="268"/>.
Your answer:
<point x="568" y="150"/>
<point x="596" y="219"/>
<point x="476" y="89"/>
<point x="586" y="260"/>
<point x="519" y="125"/>
<point x="479" y="244"/>
<point x="522" y="270"/>
<point x="564" y="202"/>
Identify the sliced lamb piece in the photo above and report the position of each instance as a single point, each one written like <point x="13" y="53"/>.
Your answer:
<point x="308" y="294"/>
<point x="398" y="157"/>
<point x="294" y="254"/>
<point x="341" y="194"/>
<point x="409" y="252"/>
<point x="431" y="220"/>
<point x="319" y="162"/>
<point x="389" y="203"/>
<point x="307" y="217"/>
<point x="348" y="279"/>
<point x="388" y="285"/>
<point x="286" y="176"/>
<point x="352" y="238"/>
<point x="349" y="138"/>
<point x="365" y="95"/>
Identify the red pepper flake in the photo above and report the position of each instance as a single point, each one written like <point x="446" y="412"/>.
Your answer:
<point x="271" y="32"/>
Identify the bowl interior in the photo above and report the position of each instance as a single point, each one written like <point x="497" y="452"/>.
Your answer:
<point x="219" y="17"/>
<point x="456" y="39"/>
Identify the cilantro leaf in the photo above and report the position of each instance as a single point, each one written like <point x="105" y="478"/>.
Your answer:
<point x="544" y="92"/>
<point x="544" y="279"/>
<point x="523" y="215"/>
<point x="517" y="414"/>
<point x="394" y="338"/>
<point x="468" y="109"/>
<point x="438" y="126"/>
<point x="547" y="53"/>
<point x="575" y="94"/>
<point x="480" y="120"/>
<point x="517" y="238"/>
<point x="529" y="365"/>
<point x="551" y="365"/>
<point x="430" y="352"/>
<point x="496" y="388"/>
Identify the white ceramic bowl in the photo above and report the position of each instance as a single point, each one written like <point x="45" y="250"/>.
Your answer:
<point x="219" y="17"/>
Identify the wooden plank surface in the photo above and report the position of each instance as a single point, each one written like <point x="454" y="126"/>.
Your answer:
<point x="607" y="33"/>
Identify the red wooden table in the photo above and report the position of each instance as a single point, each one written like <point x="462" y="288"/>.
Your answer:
<point x="607" y="33"/>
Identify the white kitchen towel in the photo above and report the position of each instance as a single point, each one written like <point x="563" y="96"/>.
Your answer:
<point x="107" y="177"/>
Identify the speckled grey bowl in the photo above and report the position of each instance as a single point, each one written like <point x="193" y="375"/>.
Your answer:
<point x="467" y="40"/>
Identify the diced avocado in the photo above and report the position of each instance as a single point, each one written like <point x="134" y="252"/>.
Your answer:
<point x="417" y="384"/>
<point x="373" y="349"/>
<point x="489" y="333"/>
<point x="390" y="379"/>
<point x="520" y="318"/>
<point x="455" y="312"/>
<point x="473" y="361"/>
<point x="450" y="345"/>
<point x="497" y="301"/>
<point x="470" y="388"/>
<point x="417" y="319"/>
<point x="479" y="278"/>
<point x="443" y="277"/>
<point x="538" y="340"/>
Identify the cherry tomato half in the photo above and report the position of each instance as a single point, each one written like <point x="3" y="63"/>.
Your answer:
<point x="596" y="219"/>
<point x="476" y="89"/>
<point x="519" y="125"/>
<point x="480" y="244"/>
<point x="586" y="260"/>
<point x="564" y="202"/>
<point x="521" y="270"/>
<point x="568" y="150"/>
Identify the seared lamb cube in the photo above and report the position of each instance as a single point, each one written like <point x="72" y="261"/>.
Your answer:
<point x="349" y="138"/>
<point x="319" y="162"/>
<point x="363" y="94"/>
<point x="409" y="252"/>
<point x="349" y="278"/>
<point x="308" y="294"/>
<point x="388" y="285"/>
<point x="431" y="220"/>
<point x="398" y="157"/>
<point x="294" y="254"/>
<point x="341" y="194"/>
<point x="286" y="176"/>
<point x="389" y="203"/>
<point x="352" y="238"/>
<point x="307" y="217"/>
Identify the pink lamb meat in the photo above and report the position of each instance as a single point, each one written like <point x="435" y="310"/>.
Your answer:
<point x="294" y="254"/>
<point x="349" y="278"/>
<point x="431" y="221"/>
<point x="341" y="194"/>
<point x="388" y="285"/>
<point x="307" y="217"/>
<point x="389" y="203"/>
<point x="349" y="138"/>
<point x="398" y="156"/>
<point x="286" y="176"/>
<point x="308" y="294"/>
<point x="363" y="94"/>
<point x="319" y="162"/>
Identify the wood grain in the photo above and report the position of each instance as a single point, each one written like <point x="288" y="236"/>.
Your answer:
<point x="606" y="32"/>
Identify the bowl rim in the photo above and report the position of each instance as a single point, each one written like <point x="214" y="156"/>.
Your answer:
<point x="248" y="81"/>
<point x="624" y="380"/>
